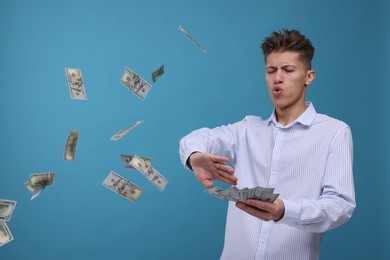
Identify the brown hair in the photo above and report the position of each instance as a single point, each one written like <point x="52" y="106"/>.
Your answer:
<point x="288" y="40"/>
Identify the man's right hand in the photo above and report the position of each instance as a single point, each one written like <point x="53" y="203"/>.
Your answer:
<point x="207" y="167"/>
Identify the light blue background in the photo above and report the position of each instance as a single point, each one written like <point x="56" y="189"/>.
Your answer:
<point x="77" y="218"/>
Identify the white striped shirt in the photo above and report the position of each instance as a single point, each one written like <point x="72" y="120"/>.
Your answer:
<point x="309" y="162"/>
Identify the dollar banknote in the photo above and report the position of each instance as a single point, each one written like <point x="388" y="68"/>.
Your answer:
<point x="158" y="73"/>
<point x="122" y="186"/>
<point x="38" y="182"/>
<point x="75" y="84"/>
<point x="191" y="39"/>
<point x="42" y="179"/>
<point x="123" y="132"/>
<point x="215" y="192"/>
<point x="6" y="209"/>
<point x="235" y="194"/>
<point x="5" y="234"/>
<point x="135" y="83"/>
<point x="149" y="172"/>
<point x="126" y="159"/>
<point x="70" y="146"/>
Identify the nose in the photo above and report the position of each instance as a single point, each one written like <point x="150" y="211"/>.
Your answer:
<point x="278" y="76"/>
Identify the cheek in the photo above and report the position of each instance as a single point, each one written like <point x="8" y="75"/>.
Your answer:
<point x="299" y="80"/>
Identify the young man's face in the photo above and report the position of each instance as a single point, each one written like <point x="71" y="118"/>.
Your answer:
<point x="287" y="76"/>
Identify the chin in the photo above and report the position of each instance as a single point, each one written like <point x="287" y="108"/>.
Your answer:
<point x="278" y="103"/>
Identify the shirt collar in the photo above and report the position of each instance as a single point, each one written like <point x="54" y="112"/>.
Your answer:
<point x="306" y="118"/>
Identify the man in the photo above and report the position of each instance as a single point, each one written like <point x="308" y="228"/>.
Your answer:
<point x="304" y="155"/>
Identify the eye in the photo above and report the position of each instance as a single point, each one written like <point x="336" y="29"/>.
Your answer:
<point x="271" y="70"/>
<point x="288" y="69"/>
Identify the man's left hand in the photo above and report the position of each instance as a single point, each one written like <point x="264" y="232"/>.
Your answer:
<point x="265" y="211"/>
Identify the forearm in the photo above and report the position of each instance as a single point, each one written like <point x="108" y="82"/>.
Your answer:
<point x="218" y="141"/>
<point x="193" y="142"/>
<point x="318" y="215"/>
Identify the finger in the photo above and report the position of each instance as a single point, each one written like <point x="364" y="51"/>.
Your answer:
<point x="227" y="175"/>
<point x="267" y="206"/>
<point x="256" y="212"/>
<point x="203" y="178"/>
<point x="229" y="179"/>
<point x="225" y="168"/>
<point x="248" y="209"/>
<point x="207" y="183"/>
<point x="222" y="159"/>
<point x="274" y="210"/>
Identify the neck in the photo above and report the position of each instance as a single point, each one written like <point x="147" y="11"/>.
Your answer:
<point x="288" y="115"/>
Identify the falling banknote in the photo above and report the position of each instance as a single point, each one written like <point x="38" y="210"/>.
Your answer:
<point x="126" y="159"/>
<point x="191" y="39"/>
<point x="5" y="234"/>
<point x="135" y="84"/>
<point x="123" y="132"/>
<point x="123" y="187"/>
<point x="70" y="147"/>
<point x="149" y="172"/>
<point x="38" y="182"/>
<point x="158" y="73"/>
<point x="6" y="209"/>
<point x="76" y="84"/>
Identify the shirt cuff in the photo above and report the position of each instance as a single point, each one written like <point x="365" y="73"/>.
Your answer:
<point x="292" y="212"/>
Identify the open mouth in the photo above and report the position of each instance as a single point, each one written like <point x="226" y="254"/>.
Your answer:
<point x="277" y="90"/>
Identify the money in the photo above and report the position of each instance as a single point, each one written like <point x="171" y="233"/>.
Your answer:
<point x="191" y="39"/>
<point x="5" y="234"/>
<point x="215" y="192"/>
<point x="123" y="132"/>
<point x="75" y="84"/>
<point x="241" y="195"/>
<point x="158" y="73"/>
<point x="6" y="209"/>
<point x="149" y="172"/>
<point x="38" y="182"/>
<point x="135" y="84"/>
<point x="126" y="159"/>
<point x="70" y="147"/>
<point x="123" y="187"/>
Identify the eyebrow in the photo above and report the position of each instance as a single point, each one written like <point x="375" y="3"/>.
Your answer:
<point x="283" y="67"/>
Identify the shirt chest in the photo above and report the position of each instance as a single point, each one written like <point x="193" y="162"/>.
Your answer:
<point x="283" y="158"/>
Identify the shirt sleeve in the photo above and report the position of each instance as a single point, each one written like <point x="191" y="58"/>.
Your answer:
<point x="337" y="200"/>
<point x="221" y="141"/>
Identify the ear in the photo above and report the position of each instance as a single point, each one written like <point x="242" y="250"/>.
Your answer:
<point x="311" y="75"/>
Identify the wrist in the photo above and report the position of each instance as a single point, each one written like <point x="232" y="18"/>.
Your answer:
<point x="188" y="162"/>
<point x="280" y="203"/>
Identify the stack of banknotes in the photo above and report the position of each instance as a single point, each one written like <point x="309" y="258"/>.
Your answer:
<point x="235" y="194"/>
